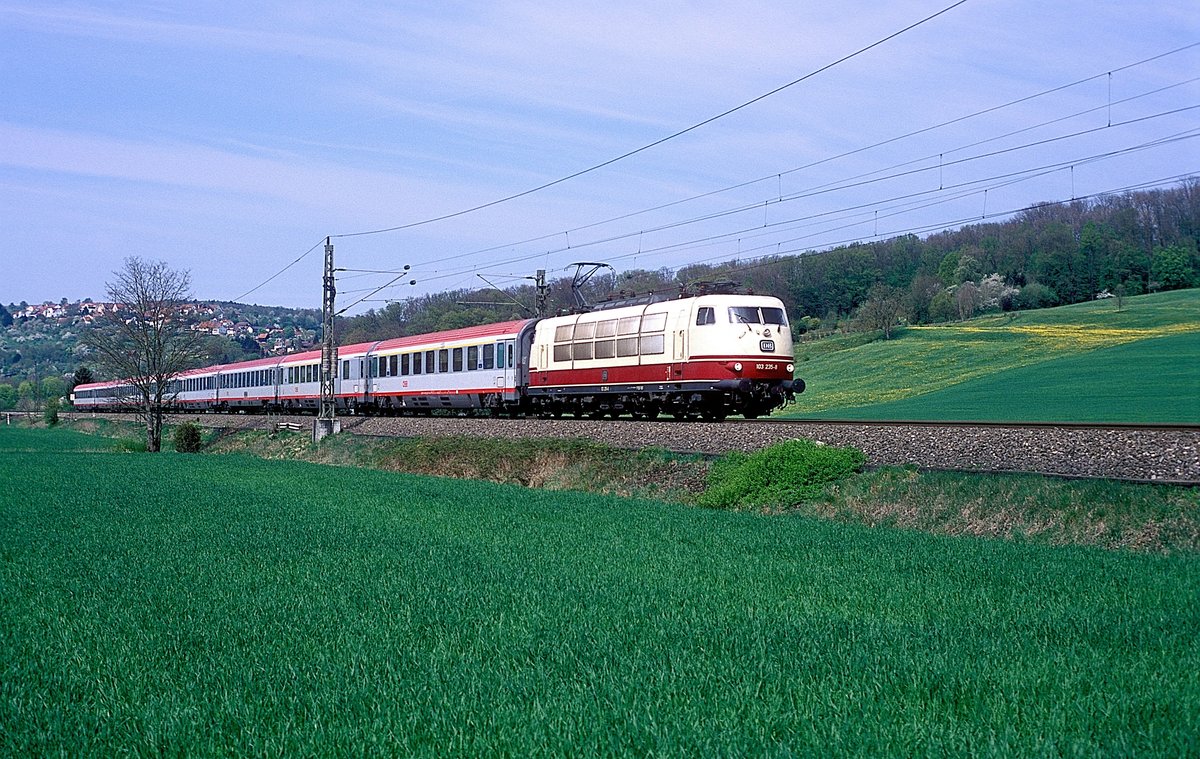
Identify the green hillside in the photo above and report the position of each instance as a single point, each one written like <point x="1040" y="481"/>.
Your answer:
<point x="1087" y="362"/>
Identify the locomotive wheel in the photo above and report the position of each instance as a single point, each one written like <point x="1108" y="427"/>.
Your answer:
<point x="713" y="414"/>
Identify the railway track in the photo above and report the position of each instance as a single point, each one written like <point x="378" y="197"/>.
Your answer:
<point x="1167" y="454"/>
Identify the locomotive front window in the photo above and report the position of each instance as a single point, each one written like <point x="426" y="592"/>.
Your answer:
<point x="743" y="315"/>
<point x="773" y="316"/>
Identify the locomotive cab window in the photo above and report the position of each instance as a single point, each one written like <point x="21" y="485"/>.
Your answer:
<point x="706" y="315"/>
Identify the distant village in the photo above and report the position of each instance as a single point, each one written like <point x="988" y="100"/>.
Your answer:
<point x="272" y="336"/>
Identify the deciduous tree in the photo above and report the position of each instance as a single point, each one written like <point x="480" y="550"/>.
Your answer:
<point x="882" y="309"/>
<point x="147" y="341"/>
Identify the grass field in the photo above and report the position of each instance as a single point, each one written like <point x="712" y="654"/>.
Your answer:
<point x="178" y="604"/>
<point x="1086" y="363"/>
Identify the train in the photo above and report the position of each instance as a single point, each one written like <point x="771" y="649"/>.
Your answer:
<point x="706" y="356"/>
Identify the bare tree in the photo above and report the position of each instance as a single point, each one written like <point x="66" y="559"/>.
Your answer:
<point x="146" y="341"/>
<point x="882" y="309"/>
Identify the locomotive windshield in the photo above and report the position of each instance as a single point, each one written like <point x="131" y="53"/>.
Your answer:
<point x="756" y="315"/>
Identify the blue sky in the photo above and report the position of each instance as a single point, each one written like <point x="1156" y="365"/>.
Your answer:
<point x="229" y="139"/>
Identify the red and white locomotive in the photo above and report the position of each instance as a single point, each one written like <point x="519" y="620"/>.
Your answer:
<point x="708" y="356"/>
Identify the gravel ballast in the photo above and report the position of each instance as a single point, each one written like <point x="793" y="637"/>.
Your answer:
<point x="1155" y="455"/>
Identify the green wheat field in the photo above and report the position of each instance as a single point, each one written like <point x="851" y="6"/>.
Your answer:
<point x="224" y="605"/>
<point x="1083" y="363"/>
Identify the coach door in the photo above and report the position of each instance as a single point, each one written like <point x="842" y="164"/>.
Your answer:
<point x="501" y="363"/>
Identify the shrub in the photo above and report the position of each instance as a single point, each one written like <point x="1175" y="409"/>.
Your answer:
<point x="1034" y="295"/>
<point x="50" y="415"/>
<point x="187" y="437"/>
<point x="782" y="475"/>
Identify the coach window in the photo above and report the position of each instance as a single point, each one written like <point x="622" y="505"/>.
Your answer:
<point x="563" y="333"/>
<point x="562" y="352"/>
<point x="583" y="351"/>
<point x="394" y="365"/>
<point x="472" y="357"/>
<point x="629" y="325"/>
<point x="510" y="355"/>
<point x="404" y="359"/>
<point x="430" y="362"/>
<point x="489" y="356"/>
<point x="417" y="362"/>
<point x="706" y="315"/>
<point x="458" y="360"/>
<point x="606" y="348"/>
<point x="345" y="370"/>
<point x="443" y="357"/>
<point x="627" y="346"/>
<point x="585" y="330"/>
<point x="606" y="328"/>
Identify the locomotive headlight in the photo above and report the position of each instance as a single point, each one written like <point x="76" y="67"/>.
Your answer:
<point x="737" y="366"/>
<point x="791" y="368"/>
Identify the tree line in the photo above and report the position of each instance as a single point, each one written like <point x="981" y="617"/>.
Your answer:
<point x="1050" y="254"/>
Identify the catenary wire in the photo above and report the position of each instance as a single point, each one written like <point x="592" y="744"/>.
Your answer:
<point x="659" y="141"/>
